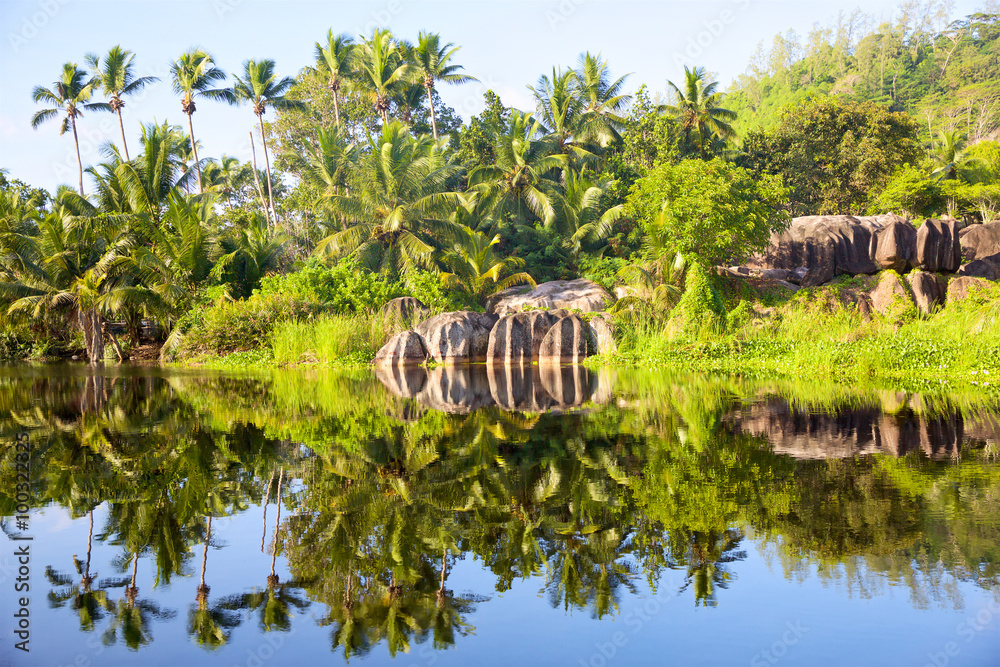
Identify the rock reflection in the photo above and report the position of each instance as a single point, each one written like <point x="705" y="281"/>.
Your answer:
<point x="462" y="389"/>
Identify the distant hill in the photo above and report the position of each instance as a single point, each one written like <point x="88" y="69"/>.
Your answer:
<point x="944" y="73"/>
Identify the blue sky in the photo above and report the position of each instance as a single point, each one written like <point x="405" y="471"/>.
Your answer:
<point x="506" y="45"/>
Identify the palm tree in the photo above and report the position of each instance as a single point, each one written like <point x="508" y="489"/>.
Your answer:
<point x="949" y="156"/>
<point x="704" y="124"/>
<point x="117" y="78"/>
<point x="193" y="74"/>
<point x="477" y="271"/>
<point x="383" y="67"/>
<point x="260" y="86"/>
<point x="251" y="252"/>
<point x="431" y="62"/>
<point x="398" y="209"/>
<point x="336" y="59"/>
<point x="582" y="214"/>
<point x="558" y="106"/>
<point x="70" y="94"/>
<point x="518" y="181"/>
<point x="601" y="101"/>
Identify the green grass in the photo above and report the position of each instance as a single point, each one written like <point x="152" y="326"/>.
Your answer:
<point x="331" y="340"/>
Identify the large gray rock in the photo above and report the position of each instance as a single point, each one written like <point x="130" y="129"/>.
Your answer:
<point x="566" y="342"/>
<point x="403" y="309"/>
<point x="896" y="246"/>
<point x="405" y="348"/>
<point x="980" y="241"/>
<point x="827" y="245"/>
<point x="928" y="290"/>
<point x="987" y="267"/>
<point x="516" y="338"/>
<point x="457" y="337"/>
<point x="583" y="295"/>
<point x="602" y="336"/>
<point x="963" y="287"/>
<point x="890" y="296"/>
<point x="938" y="247"/>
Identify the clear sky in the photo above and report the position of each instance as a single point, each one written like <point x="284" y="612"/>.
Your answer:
<point x="506" y="45"/>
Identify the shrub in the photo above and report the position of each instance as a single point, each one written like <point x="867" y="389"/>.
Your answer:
<point x="339" y="288"/>
<point x="712" y="210"/>
<point x="700" y="308"/>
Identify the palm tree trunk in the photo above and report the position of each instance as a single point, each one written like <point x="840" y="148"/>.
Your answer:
<point x="385" y="121"/>
<point x="79" y="162"/>
<point x="256" y="180"/>
<point x="267" y="166"/>
<point x="336" y="108"/>
<point x="121" y="125"/>
<point x="430" y="102"/>
<point x="194" y="149"/>
<point x="115" y="344"/>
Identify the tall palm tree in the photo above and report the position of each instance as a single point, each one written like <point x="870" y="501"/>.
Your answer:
<point x="260" y="86"/>
<point x="383" y="68"/>
<point x="194" y="74"/>
<point x="431" y="62"/>
<point x="704" y="123"/>
<point x="601" y="100"/>
<point x="949" y="156"/>
<point x="557" y="105"/>
<point x="116" y="77"/>
<point x="336" y="59"/>
<point x="69" y="94"/>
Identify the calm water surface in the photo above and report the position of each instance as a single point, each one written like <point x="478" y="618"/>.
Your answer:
<point x="466" y="516"/>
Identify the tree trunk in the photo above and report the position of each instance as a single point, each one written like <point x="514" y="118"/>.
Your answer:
<point x="115" y="344"/>
<point x="336" y="108"/>
<point x="256" y="180"/>
<point x="97" y="331"/>
<point x="121" y="125"/>
<point x="194" y="149"/>
<point x="430" y="102"/>
<point x="79" y="162"/>
<point x="267" y="166"/>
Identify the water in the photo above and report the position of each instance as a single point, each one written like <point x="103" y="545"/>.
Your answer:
<point x="466" y="516"/>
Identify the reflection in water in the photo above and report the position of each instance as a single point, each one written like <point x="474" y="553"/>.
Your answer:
<point x="381" y="486"/>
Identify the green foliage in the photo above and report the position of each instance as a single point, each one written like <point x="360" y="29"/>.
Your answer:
<point x="329" y="339"/>
<point x="910" y="193"/>
<point x="700" y="308"/>
<point x="341" y="287"/>
<point x="602" y="270"/>
<point x="839" y="155"/>
<point x="712" y="210"/>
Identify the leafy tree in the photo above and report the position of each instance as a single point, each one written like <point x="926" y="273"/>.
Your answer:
<point x="838" y="155"/>
<point x="116" y="77"/>
<point x="911" y="193"/>
<point x="711" y="211"/>
<point x="193" y="74"/>
<point x="70" y="95"/>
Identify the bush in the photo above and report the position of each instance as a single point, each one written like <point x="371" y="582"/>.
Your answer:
<point x="910" y="193"/>
<point x="700" y="309"/>
<point x="602" y="270"/>
<point x="712" y="210"/>
<point x="338" y="288"/>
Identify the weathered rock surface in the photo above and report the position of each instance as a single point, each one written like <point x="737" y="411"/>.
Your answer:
<point x="890" y="296"/>
<point x="583" y="295"/>
<point x="405" y="348"/>
<point x="896" y="246"/>
<point x="987" y="267"/>
<point x="516" y="338"/>
<point x="938" y="247"/>
<point x="928" y="290"/>
<point x="403" y="309"/>
<point x="964" y="286"/>
<point x="602" y="336"/>
<point x="566" y="342"/>
<point x="827" y="245"/>
<point x="980" y="241"/>
<point x="457" y="337"/>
